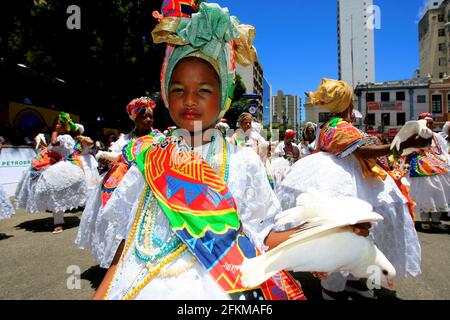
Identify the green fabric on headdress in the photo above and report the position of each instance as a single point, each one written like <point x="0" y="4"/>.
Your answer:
<point x="207" y="34"/>
<point x="67" y="122"/>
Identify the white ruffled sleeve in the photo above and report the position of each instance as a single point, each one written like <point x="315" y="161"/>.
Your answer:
<point x="257" y="203"/>
<point x="116" y="218"/>
<point x="66" y="142"/>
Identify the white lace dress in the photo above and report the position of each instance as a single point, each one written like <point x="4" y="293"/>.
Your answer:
<point x="58" y="188"/>
<point x="86" y="238"/>
<point x="432" y="193"/>
<point x="90" y="167"/>
<point x="395" y="236"/>
<point x="6" y="208"/>
<point x="257" y="206"/>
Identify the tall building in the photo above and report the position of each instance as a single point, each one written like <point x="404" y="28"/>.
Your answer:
<point x="252" y="77"/>
<point x="434" y="37"/>
<point x="356" y="47"/>
<point x="286" y="110"/>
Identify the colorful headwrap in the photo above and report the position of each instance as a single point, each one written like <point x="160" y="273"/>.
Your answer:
<point x="66" y="121"/>
<point x="139" y="104"/>
<point x="333" y="95"/>
<point x="210" y="34"/>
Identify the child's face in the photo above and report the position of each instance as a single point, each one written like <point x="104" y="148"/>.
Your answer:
<point x="194" y="94"/>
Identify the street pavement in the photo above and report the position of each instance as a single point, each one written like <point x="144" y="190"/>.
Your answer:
<point x="38" y="265"/>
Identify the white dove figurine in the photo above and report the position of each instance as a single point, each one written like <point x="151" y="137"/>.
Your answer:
<point x="325" y="242"/>
<point x="411" y="128"/>
<point x="40" y="141"/>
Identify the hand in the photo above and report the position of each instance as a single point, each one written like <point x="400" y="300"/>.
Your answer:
<point x="362" y="229"/>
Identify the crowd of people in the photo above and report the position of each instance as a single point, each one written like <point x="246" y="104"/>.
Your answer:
<point x="176" y="212"/>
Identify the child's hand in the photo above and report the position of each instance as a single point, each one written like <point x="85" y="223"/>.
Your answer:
<point x="362" y="229"/>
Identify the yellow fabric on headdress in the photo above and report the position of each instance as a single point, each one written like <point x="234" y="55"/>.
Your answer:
<point x="333" y="95"/>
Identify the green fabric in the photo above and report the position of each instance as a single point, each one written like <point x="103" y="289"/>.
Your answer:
<point x="67" y="122"/>
<point x="208" y="31"/>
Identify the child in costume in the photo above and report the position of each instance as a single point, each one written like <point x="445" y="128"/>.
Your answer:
<point x="347" y="166"/>
<point x="55" y="181"/>
<point x="97" y="232"/>
<point x="430" y="180"/>
<point x="198" y="203"/>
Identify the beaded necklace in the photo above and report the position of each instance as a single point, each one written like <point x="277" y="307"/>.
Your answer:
<point x="151" y="250"/>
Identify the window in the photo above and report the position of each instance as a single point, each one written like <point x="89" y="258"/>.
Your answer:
<point x="421" y="99"/>
<point x="401" y="118"/>
<point x="400" y="96"/>
<point x="442" y="61"/>
<point x="386" y="119"/>
<point x="441" y="18"/>
<point x="370" y="119"/>
<point x="370" y="96"/>
<point x="441" y="75"/>
<point x="441" y="33"/>
<point x="448" y="102"/>
<point x="442" y="47"/>
<point x="436" y="103"/>
<point x="385" y="96"/>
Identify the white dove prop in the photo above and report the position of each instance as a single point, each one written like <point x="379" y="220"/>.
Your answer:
<point x="411" y="128"/>
<point x="325" y="241"/>
<point x="40" y="141"/>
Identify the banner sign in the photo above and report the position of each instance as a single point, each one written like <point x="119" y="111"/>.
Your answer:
<point x="385" y="106"/>
<point x="13" y="162"/>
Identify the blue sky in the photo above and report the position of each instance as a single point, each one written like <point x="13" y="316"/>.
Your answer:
<point x="297" y="42"/>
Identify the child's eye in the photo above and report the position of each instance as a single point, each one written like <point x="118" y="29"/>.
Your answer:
<point x="175" y="90"/>
<point x="205" y="90"/>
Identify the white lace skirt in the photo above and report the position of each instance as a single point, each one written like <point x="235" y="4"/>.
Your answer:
<point x="6" y="208"/>
<point x="395" y="236"/>
<point x="59" y="188"/>
<point x="431" y="194"/>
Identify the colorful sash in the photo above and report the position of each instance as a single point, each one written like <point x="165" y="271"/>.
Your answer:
<point x="341" y="138"/>
<point x="203" y="213"/>
<point x="120" y="168"/>
<point x="45" y="159"/>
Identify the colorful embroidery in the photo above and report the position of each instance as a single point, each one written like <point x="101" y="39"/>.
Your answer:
<point x="338" y="136"/>
<point x="203" y="213"/>
<point x="45" y="159"/>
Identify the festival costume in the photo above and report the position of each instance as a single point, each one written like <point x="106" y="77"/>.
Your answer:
<point x="429" y="178"/>
<point x="338" y="172"/>
<point x="6" y="208"/>
<point x="189" y="230"/>
<point x="55" y="181"/>
<point x="97" y="233"/>
<point x="186" y="212"/>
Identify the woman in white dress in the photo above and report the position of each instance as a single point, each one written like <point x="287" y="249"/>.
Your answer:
<point x="429" y="179"/>
<point x="347" y="166"/>
<point x="55" y="181"/>
<point x="91" y="233"/>
<point x="6" y="208"/>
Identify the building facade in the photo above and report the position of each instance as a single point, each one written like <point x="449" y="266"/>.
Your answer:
<point x="434" y="40"/>
<point x="286" y="111"/>
<point x="389" y="105"/>
<point x="439" y="100"/>
<point x="356" y="48"/>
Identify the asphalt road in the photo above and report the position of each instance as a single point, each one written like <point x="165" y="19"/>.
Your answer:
<point x="37" y="265"/>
